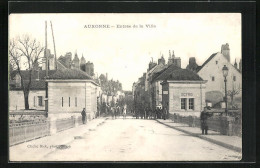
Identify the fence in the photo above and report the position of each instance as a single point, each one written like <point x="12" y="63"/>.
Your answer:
<point x="23" y="132"/>
<point x="216" y="123"/>
<point x="63" y="124"/>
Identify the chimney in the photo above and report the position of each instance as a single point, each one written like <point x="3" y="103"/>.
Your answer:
<point x="192" y="60"/>
<point x="226" y="51"/>
<point x="177" y="61"/>
<point x="235" y="64"/>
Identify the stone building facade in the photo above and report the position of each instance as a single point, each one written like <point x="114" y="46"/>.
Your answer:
<point x="183" y="92"/>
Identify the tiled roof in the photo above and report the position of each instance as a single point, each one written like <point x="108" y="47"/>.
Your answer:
<point x="35" y="74"/>
<point x="176" y="73"/>
<point x="164" y="73"/>
<point x="212" y="56"/>
<point x="35" y="85"/>
<point x="184" y="74"/>
<point x="69" y="74"/>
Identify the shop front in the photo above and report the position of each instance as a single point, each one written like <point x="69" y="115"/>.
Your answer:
<point x="186" y="98"/>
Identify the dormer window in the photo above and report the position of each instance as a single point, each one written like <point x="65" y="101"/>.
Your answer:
<point x="213" y="78"/>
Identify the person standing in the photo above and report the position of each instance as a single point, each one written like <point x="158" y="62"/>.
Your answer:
<point x="83" y="114"/>
<point x="164" y="113"/>
<point x="124" y="112"/>
<point x="204" y="123"/>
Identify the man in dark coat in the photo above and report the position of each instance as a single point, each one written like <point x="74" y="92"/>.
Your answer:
<point x="204" y="123"/>
<point x="83" y="114"/>
<point x="164" y="113"/>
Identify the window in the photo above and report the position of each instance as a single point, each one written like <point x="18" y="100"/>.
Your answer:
<point x="75" y="101"/>
<point x="191" y="103"/>
<point x="234" y="78"/>
<point x="39" y="100"/>
<point x="213" y="78"/>
<point x="34" y="101"/>
<point x="216" y="62"/>
<point x="183" y="103"/>
<point x="62" y="102"/>
<point x="69" y="101"/>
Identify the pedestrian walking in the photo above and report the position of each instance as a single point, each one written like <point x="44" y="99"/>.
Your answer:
<point x="204" y="123"/>
<point x="124" y="112"/>
<point x="83" y="114"/>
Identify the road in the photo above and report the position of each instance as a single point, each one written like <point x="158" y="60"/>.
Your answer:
<point x="139" y="140"/>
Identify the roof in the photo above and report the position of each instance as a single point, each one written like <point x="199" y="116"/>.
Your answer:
<point x="174" y="72"/>
<point x="184" y="74"/>
<point x="164" y="73"/>
<point x="35" y="85"/>
<point x="69" y="74"/>
<point x="210" y="58"/>
<point x="35" y="74"/>
<point x="158" y="71"/>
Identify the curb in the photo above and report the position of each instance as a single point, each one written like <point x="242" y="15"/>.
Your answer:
<point x="228" y="146"/>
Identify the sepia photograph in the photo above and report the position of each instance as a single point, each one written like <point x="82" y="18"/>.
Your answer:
<point x="125" y="87"/>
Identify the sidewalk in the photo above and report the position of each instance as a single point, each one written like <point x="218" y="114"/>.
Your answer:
<point x="37" y="149"/>
<point x="230" y="142"/>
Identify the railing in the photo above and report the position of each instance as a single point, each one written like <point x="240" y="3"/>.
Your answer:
<point x="27" y="131"/>
<point x="215" y="123"/>
<point x="63" y="124"/>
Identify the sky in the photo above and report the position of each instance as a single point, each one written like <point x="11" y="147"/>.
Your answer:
<point x="124" y="53"/>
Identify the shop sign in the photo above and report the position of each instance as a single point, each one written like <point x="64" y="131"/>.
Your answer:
<point x="165" y="92"/>
<point x="186" y="94"/>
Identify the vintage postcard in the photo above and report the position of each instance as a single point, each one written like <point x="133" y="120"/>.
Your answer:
<point x="125" y="87"/>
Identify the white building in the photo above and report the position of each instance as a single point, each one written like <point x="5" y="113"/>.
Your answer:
<point x="183" y="92"/>
<point x="69" y="91"/>
<point x="211" y="70"/>
<point x="37" y="90"/>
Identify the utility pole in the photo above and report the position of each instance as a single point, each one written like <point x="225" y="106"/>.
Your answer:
<point x="45" y="53"/>
<point x="55" y="55"/>
<point x="47" y="67"/>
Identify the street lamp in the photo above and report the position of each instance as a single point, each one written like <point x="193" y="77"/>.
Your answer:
<point x="225" y="74"/>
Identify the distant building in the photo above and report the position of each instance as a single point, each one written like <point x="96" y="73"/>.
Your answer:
<point x="75" y="62"/>
<point x="66" y="60"/>
<point x="155" y="82"/>
<point x="83" y="63"/>
<point x="174" y="60"/>
<point x="90" y="68"/>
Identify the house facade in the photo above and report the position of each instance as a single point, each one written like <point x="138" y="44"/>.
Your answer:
<point x="183" y="92"/>
<point x="211" y="70"/>
<point x="69" y="91"/>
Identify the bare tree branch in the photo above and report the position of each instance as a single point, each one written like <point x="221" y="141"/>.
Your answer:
<point x="31" y="51"/>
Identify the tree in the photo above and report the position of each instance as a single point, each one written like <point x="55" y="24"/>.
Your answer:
<point x="24" y="52"/>
<point x="233" y="92"/>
